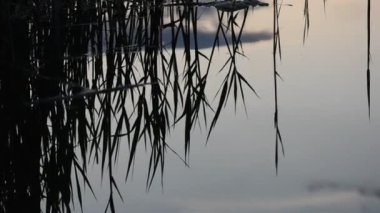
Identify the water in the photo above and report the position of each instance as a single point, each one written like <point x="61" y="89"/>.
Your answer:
<point x="331" y="147"/>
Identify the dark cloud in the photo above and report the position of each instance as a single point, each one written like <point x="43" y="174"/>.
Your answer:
<point x="206" y="39"/>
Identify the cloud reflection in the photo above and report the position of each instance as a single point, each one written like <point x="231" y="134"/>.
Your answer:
<point x="321" y="197"/>
<point x="206" y="38"/>
<point x="342" y="202"/>
<point x="335" y="186"/>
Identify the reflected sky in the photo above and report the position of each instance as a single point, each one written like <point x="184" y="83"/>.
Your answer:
<point x="323" y="112"/>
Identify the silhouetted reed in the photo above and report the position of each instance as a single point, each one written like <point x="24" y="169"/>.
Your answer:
<point x="80" y="78"/>
<point x="369" y="56"/>
<point x="276" y="53"/>
<point x="306" y="13"/>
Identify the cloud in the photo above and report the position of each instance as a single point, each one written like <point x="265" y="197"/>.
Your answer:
<point x="365" y="191"/>
<point x="334" y="202"/>
<point x="206" y="39"/>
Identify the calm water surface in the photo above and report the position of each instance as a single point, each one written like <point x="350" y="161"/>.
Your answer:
<point x="331" y="161"/>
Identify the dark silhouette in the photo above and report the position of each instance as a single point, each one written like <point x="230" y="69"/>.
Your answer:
<point x="78" y="78"/>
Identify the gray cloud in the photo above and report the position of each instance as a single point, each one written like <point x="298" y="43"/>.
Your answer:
<point x="206" y="39"/>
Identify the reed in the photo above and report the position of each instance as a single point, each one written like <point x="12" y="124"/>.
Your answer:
<point x="80" y="79"/>
<point x="306" y="13"/>
<point x="90" y="76"/>
<point x="276" y="53"/>
<point x="369" y="57"/>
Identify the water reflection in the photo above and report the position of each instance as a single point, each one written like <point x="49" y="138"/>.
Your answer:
<point x="82" y="77"/>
